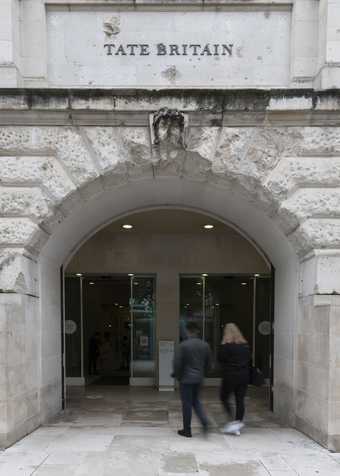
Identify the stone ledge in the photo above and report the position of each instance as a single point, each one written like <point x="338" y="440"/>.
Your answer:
<point x="243" y="4"/>
<point x="204" y="107"/>
<point x="189" y="99"/>
<point x="196" y="119"/>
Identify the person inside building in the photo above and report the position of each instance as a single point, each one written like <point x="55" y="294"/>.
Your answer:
<point x="94" y="352"/>
<point x="106" y="354"/>
<point x="125" y="352"/>
<point x="192" y="361"/>
<point x="234" y="359"/>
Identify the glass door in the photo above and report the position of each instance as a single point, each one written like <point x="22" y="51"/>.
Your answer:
<point x="211" y="301"/>
<point x="110" y="329"/>
<point x="191" y="309"/>
<point x="142" y="327"/>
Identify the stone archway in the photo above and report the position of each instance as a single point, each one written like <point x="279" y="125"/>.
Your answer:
<point x="59" y="184"/>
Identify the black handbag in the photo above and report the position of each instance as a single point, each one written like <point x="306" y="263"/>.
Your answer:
<point x="256" y="377"/>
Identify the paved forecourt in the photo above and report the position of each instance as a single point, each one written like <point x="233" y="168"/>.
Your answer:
<point x="114" y="431"/>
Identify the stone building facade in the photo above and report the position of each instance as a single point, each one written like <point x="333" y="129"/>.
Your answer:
<point x="251" y="137"/>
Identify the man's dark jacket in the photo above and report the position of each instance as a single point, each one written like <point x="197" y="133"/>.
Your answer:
<point x="192" y="361"/>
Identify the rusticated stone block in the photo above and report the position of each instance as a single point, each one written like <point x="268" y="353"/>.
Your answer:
<point x="46" y="172"/>
<point x="255" y="151"/>
<point x="308" y="203"/>
<point x="297" y="172"/>
<point x="23" y="202"/>
<point x="117" y="144"/>
<point x="22" y="232"/>
<point x="65" y="143"/>
<point x="316" y="233"/>
<point x="320" y="141"/>
<point x="18" y="272"/>
<point x="203" y="141"/>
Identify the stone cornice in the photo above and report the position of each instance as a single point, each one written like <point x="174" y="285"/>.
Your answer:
<point x="173" y="4"/>
<point x="204" y="107"/>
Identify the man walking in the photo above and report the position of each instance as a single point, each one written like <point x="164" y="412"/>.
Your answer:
<point x="192" y="361"/>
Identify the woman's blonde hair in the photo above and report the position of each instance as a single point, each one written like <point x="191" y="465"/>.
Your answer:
<point x="232" y="335"/>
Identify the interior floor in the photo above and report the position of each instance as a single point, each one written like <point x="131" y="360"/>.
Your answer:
<point x="145" y="406"/>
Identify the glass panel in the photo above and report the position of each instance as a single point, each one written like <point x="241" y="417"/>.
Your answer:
<point x="227" y="299"/>
<point x="143" y="326"/>
<point x="107" y="328"/>
<point x="72" y="327"/>
<point x="263" y="325"/>
<point x="214" y="306"/>
<point x="191" y="303"/>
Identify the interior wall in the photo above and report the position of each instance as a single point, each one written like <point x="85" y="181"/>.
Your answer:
<point x="131" y="251"/>
<point x="167" y="255"/>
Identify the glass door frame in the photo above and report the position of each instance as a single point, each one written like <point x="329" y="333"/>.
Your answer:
<point x="88" y="276"/>
<point x="145" y="380"/>
<point x="253" y="278"/>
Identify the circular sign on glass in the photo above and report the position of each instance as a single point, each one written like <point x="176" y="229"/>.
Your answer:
<point x="264" y="328"/>
<point x="70" y="326"/>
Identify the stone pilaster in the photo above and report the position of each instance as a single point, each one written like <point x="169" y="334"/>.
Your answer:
<point x="317" y="349"/>
<point x="304" y="44"/>
<point x="20" y="346"/>
<point x="10" y="75"/>
<point x="328" y="70"/>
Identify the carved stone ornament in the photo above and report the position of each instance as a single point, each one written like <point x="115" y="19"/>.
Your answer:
<point x="168" y="126"/>
<point x="111" y="26"/>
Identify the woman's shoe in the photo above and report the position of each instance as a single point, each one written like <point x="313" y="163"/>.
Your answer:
<point x="241" y="425"/>
<point x="187" y="434"/>
<point x="233" y="428"/>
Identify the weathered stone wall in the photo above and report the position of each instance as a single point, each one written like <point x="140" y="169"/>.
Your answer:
<point x="279" y="154"/>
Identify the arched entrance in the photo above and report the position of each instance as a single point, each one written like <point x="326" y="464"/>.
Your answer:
<point x="177" y="192"/>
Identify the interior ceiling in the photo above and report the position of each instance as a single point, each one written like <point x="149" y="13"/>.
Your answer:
<point x="167" y="221"/>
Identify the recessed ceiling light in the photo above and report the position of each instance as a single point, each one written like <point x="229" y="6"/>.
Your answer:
<point x="208" y="227"/>
<point x="91" y="282"/>
<point x="116" y="304"/>
<point x="256" y="275"/>
<point x="204" y="275"/>
<point x="136" y="283"/>
<point x="79" y="275"/>
<point x="199" y="283"/>
<point x="130" y="274"/>
<point x="243" y="284"/>
<point x="127" y="226"/>
<point x="216" y="304"/>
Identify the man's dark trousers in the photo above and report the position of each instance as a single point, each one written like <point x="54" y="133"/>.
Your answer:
<point x="190" y="400"/>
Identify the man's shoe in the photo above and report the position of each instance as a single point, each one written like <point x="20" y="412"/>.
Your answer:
<point x="187" y="434"/>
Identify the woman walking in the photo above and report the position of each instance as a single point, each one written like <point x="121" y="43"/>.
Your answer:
<point x="234" y="358"/>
